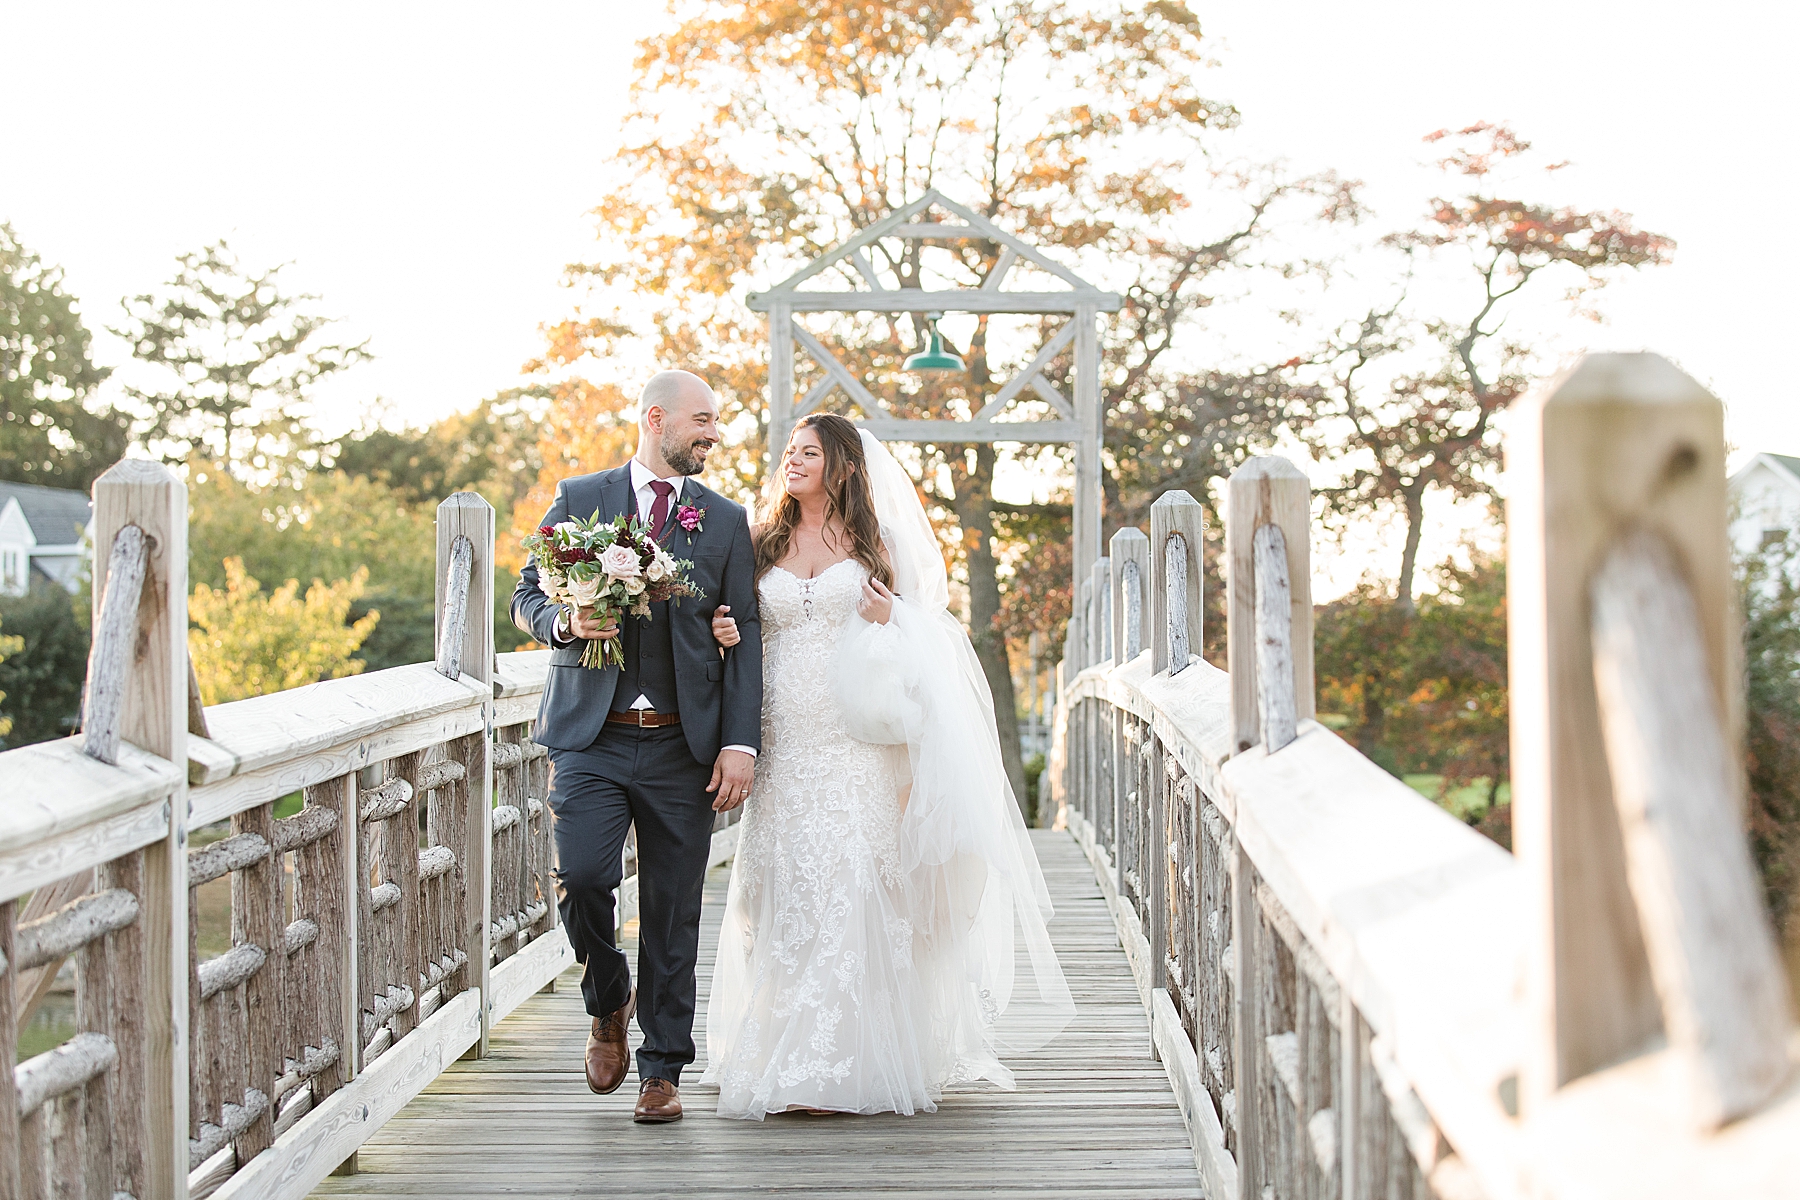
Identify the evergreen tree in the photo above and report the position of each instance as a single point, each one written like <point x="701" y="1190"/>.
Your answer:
<point x="237" y="358"/>
<point x="49" y="434"/>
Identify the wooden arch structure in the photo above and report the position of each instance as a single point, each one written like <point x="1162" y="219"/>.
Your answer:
<point x="1078" y="419"/>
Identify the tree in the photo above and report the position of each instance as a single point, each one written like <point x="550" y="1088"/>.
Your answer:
<point x="1769" y="594"/>
<point x="492" y="449"/>
<point x="1040" y="569"/>
<point x="49" y="432"/>
<point x="764" y="133"/>
<point x="322" y="526"/>
<point x="1424" y="690"/>
<point x="588" y="427"/>
<point x="1458" y="716"/>
<point x="41" y="679"/>
<point x="9" y="646"/>
<point x="236" y="358"/>
<point x="1429" y="425"/>
<point x="246" y="644"/>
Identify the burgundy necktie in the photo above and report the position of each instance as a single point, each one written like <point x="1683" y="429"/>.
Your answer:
<point x="659" y="511"/>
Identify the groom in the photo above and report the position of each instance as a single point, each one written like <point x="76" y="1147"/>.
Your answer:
<point x="664" y="741"/>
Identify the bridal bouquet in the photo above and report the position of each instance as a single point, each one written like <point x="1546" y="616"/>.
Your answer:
<point x="609" y="568"/>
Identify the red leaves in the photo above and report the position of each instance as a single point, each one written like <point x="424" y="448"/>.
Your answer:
<point x="1501" y="143"/>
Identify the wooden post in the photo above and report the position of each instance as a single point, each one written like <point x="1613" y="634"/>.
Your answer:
<point x="1248" y="1054"/>
<point x="325" y="884"/>
<point x="1675" y="785"/>
<point x="258" y="918"/>
<point x="1156" y="864"/>
<point x="1620" y="442"/>
<point x="781" y="381"/>
<point x="1274" y="640"/>
<point x="467" y="515"/>
<point x="1130" y="574"/>
<point x="1267" y="490"/>
<point x="9" y="1041"/>
<point x="148" y="495"/>
<point x="1100" y="643"/>
<point x="352" y="878"/>
<point x="1083" y="623"/>
<point x="1177" y="611"/>
<point x="1090" y="420"/>
<point x="1131" y="578"/>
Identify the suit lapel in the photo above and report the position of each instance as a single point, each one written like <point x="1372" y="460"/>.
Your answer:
<point x="615" y="494"/>
<point x="696" y="495"/>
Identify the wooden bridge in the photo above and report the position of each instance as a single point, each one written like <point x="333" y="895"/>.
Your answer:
<point x="1296" y="978"/>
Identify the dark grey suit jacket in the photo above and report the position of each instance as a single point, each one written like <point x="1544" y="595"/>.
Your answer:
<point x="720" y="698"/>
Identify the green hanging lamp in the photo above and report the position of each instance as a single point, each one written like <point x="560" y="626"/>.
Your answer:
<point x="934" y="357"/>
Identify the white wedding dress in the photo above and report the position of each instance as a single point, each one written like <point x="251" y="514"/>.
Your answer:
<point x="885" y="897"/>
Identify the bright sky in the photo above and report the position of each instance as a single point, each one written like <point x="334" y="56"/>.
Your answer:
<point x="427" y="167"/>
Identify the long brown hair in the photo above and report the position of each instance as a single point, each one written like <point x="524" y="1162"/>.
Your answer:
<point x="848" y="500"/>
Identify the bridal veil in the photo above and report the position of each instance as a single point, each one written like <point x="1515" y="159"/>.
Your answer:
<point x="975" y="891"/>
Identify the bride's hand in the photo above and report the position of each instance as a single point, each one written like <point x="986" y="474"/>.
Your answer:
<point x="877" y="603"/>
<point x="724" y="627"/>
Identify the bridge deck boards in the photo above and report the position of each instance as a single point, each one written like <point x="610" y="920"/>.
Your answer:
<point x="1093" y="1114"/>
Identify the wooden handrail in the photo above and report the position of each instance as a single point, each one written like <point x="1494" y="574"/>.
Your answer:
<point x="1355" y="994"/>
<point x="390" y="958"/>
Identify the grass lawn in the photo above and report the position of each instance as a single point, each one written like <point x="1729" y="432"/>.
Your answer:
<point x="1466" y="802"/>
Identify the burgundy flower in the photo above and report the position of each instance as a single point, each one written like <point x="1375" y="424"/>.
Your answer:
<point x="689" y="517"/>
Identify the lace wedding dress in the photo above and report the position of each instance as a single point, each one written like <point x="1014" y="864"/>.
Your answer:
<point x="884" y="933"/>
<point x="817" y="1000"/>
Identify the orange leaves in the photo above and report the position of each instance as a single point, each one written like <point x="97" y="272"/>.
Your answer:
<point x="589" y="427"/>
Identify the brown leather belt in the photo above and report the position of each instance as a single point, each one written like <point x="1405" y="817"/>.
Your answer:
<point x="643" y="718"/>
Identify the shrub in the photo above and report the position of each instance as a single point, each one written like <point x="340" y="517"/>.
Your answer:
<point x="42" y="678"/>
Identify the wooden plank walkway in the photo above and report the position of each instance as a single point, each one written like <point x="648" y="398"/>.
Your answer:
<point x="1093" y="1114"/>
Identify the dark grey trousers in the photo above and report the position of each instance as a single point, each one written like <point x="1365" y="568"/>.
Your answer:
<point x="648" y="777"/>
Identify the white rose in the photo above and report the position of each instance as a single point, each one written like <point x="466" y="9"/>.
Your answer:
<point x="658" y="570"/>
<point x="566" y="527"/>
<point x="621" y="562"/>
<point x="585" y="591"/>
<point x="635" y="586"/>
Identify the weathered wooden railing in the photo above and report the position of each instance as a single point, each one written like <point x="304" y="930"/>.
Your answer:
<point x="376" y="933"/>
<point x="1355" y="994"/>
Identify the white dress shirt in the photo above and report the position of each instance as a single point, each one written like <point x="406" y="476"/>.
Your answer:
<point x="641" y="479"/>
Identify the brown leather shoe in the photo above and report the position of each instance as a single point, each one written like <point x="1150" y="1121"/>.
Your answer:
<point x="659" y="1102"/>
<point x="607" y="1054"/>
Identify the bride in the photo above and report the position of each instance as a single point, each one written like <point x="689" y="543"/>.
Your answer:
<point x="883" y="937"/>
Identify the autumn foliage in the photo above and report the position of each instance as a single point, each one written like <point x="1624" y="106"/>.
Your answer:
<point x="245" y="642"/>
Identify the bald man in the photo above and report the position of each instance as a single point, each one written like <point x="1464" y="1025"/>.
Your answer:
<point x="664" y="741"/>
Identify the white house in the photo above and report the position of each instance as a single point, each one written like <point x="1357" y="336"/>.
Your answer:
<point x="1765" y="501"/>
<point x="41" y="532"/>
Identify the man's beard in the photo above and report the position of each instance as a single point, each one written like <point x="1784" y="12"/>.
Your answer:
<point x="687" y="459"/>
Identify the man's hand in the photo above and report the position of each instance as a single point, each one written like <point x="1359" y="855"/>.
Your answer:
<point x="731" y="779"/>
<point x="589" y="629"/>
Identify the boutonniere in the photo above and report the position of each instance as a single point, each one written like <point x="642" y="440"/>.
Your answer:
<point x="690" y="518"/>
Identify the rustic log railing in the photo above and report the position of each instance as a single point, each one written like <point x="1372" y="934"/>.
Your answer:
<point x="376" y="933"/>
<point x="1355" y="994"/>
